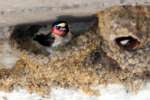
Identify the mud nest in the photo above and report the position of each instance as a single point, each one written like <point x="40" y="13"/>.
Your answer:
<point x="81" y="64"/>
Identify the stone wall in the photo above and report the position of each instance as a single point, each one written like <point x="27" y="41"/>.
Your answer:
<point x="14" y="12"/>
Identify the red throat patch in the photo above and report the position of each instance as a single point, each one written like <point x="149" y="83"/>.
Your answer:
<point x="58" y="32"/>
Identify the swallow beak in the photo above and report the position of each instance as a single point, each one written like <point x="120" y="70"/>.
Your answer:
<point x="63" y="29"/>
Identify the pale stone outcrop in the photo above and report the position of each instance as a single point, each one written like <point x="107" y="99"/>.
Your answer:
<point x="27" y="11"/>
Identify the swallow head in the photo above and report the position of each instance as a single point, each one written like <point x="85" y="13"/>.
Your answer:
<point x="60" y="28"/>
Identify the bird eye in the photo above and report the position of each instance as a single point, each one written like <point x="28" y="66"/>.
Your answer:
<point x="127" y="43"/>
<point x="57" y="27"/>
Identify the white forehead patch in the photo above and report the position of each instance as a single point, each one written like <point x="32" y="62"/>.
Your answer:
<point x="61" y="25"/>
<point x="124" y="42"/>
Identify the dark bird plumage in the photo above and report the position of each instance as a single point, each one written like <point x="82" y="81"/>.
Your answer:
<point x="45" y="40"/>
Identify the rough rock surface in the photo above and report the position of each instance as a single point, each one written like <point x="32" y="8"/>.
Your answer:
<point x="14" y="12"/>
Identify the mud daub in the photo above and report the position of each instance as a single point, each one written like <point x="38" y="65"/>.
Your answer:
<point x="79" y="65"/>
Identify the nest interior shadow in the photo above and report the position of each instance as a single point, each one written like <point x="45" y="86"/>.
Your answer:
<point x="22" y="35"/>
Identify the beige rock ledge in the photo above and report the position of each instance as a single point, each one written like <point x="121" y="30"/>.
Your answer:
<point x="14" y="12"/>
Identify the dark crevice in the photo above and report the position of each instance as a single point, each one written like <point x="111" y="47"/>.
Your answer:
<point x="127" y="43"/>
